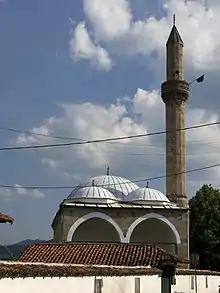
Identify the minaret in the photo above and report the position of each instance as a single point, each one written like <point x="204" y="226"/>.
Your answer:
<point x="175" y="92"/>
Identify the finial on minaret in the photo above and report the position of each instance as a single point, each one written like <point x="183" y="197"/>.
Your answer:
<point x="174" y="19"/>
<point x="93" y="183"/>
<point x="147" y="184"/>
<point x="108" y="171"/>
<point x="174" y="37"/>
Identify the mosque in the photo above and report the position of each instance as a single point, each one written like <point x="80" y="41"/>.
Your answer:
<point x="112" y="209"/>
<point x="105" y="228"/>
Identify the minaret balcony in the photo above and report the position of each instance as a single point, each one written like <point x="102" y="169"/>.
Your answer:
<point x="175" y="91"/>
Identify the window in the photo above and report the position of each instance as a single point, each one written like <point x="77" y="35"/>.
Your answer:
<point x="98" y="285"/>
<point x="206" y="281"/>
<point x="192" y="283"/>
<point x="137" y="285"/>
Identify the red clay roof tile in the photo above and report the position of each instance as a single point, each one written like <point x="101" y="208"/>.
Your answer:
<point x="6" y="219"/>
<point x="16" y="270"/>
<point x="25" y="270"/>
<point x="109" y="254"/>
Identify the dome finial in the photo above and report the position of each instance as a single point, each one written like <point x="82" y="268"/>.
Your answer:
<point x="108" y="171"/>
<point x="174" y="19"/>
<point x="93" y="182"/>
<point x="147" y="184"/>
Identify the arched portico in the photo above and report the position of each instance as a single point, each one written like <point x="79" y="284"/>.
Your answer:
<point x="153" y="228"/>
<point x="106" y="221"/>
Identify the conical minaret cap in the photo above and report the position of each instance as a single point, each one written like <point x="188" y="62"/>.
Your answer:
<point x="174" y="37"/>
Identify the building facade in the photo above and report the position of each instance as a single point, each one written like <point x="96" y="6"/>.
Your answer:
<point x="113" y="209"/>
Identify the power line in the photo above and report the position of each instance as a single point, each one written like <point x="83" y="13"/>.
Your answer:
<point x="134" y="181"/>
<point x="145" y="153"/>
<point x="186" y="172"/>
<point x="39" y="134"/>
<point x="82" y="139"/>
<point x="115" y="143"/>
<point x="106" y="139"/>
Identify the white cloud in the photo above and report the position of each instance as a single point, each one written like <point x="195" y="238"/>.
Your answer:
<point x="113" y="25"/>
<point x="133" y="158"/>
<point x="19" y="191"/>
<point x="89" y="121"/>
<point x="146" y="102"/>
<point x="110" y="19"/>
<point x="82" y="47"/>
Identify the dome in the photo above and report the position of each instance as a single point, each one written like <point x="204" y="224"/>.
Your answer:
<point x="118" y="186"/>
<point x="147" y="195"/>
<point x="91" y="194"/>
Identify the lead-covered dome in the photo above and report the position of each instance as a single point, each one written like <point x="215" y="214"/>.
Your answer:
<point x="91" y="194"/>
<point x="147" y="196"/>
<point x="118" y="186"/>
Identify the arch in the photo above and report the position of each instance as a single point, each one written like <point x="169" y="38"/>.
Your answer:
<point x="152" y="216"/>
<point x="95" y="215"/>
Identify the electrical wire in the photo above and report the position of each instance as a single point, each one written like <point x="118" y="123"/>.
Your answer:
<point x="115" y="143"/>
<point x="122" y="152"/>
<point x="106" y="139"/>
<point x="113" y="184"/>
<point x="39" y="134"/>
<point x="81" y="139"/>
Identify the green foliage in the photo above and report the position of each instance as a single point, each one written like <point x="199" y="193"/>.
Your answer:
<point x="205" y="226"/>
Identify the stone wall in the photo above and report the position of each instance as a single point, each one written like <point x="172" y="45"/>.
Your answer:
<point x="124" y="218"/>
<point x="175" y="94"/>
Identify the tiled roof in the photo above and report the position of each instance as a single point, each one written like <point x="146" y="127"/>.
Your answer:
<point x="110" y="254"/>
<point x="25" y="270"/>
<point x="6" y="219"/>
<point x="34" y="270"/>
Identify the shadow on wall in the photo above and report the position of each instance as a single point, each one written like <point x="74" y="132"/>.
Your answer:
<point x="96" y="230"/>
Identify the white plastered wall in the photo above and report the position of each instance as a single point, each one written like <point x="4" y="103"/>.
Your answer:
<point x="110" y="284"/>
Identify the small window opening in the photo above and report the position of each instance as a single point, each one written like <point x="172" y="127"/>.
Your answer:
<point x="206" y="282"/>
<point x="137" y="285"/>
<point x="98" y="285"/>
<point x="192" y="283"/>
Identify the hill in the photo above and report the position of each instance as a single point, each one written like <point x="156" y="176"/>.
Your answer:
<point x="13" y="251"/>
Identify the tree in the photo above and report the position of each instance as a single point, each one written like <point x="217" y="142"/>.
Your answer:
<point x="205" y="226"/>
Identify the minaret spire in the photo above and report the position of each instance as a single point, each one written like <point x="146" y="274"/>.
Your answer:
<point x="175" y="93"/>
<point x="174" y="54"/>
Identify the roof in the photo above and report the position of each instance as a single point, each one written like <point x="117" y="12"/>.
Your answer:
<point x="108" y="189"/>
<point x="148" y="195"/>
<point x="6" y="219"/>
<point x="22" y="270"/>
<point x="124" y="205"/>
<point x="109" y="254"/>
<point x="174" y="37"/>
<point x="91" y="194"/>
<point x="118" y="186"/>
<point x="25" y="270"/>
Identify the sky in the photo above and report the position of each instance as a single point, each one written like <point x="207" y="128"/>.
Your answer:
<point x="92" y="69"/>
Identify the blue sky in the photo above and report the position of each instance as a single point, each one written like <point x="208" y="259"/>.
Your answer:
<point x="39" y="79"/>
<point x="36" y="73"/>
